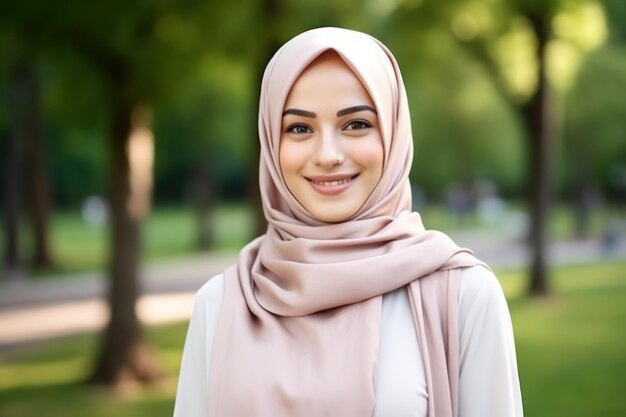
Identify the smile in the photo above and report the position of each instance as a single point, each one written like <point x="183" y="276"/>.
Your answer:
<point x="332" y="184"/>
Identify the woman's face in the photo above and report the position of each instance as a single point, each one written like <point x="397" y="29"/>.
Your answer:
<point x="331" y="150"/>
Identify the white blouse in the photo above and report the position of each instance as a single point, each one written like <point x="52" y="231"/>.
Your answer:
<point x="488" y="382"/>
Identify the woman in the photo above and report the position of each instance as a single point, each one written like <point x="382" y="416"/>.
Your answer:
<point x="346" y="306"/>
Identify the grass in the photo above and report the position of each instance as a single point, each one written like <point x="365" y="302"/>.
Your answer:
<point x="571" y="356"/>
<point x="572" y="347"/>
<point x="168" y="232"/>
<point x="50" y="378"/>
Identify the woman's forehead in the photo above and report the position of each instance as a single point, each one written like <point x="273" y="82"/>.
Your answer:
<point x="327" y="72"/>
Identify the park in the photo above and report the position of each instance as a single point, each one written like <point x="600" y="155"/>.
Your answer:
<point x="130" y="177"/>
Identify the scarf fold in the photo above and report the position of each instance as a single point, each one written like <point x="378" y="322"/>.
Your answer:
<point x="299" y="328"/>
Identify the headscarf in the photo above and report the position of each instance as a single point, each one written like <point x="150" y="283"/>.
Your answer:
<point x="299" y="328"/>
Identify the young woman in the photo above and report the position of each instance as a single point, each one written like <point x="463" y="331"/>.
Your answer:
<point x="347" y="306"/>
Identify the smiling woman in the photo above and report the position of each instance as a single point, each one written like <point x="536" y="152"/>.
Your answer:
<point x="331" y="150"/>
<point x="347" y="306"/>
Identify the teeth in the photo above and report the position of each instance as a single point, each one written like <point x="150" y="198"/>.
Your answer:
<point x="331" y="183"/>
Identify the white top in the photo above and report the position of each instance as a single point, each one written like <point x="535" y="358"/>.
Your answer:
<point x="488" y="382"/>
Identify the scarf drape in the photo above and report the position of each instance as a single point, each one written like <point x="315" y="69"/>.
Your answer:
<point x="299" y="328"/>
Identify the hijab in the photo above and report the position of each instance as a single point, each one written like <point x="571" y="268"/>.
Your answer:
<point x="299" y="327"/>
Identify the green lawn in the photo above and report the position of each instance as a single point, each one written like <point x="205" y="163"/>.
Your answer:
<point x="572" y="348"/>
<point x="571" y="351"/>
<point x="47" y="380"/>
<point x="167" y="232"/>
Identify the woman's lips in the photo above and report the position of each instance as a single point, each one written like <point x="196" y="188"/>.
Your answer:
<point x="331" y="184"/>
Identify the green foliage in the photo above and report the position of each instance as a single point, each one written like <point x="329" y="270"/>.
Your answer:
<point x="594" y="135"/>
<point x="616" y="12"/>
<point x="76" y="151"/>
<point x="463" y="130"/>
<point x="197" y="64"/>
<point x="206" y="127"/>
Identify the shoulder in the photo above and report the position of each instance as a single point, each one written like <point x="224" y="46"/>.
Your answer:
<point x="477" y="279"/>
<point x="209" y="296"/>
<point x="480" y="293"/>
<point x="206" y="307"/>
<point x="481" y="300"/>
<point x="212" y="287"/>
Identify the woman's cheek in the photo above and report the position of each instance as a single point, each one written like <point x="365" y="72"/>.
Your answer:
<point x="292" y="157"/>
<point x="368" y="153"/>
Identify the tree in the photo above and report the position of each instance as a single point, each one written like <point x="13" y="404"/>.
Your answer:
<point x="31" y="132"/>
<point x="533" y="98"/>
<point x="122" y="44"/>
<point x="137" y="51"/>
<point x="26" y="175"/>
<point x="519" y="44"/>
<point x="539" y="119"/>
<point x="126" y="60"/>
<point x="12" y="186"/>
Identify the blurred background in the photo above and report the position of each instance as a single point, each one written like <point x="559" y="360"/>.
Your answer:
<point x="129" y="158"/>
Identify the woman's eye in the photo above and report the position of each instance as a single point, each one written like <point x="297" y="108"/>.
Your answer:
<point x="357" y="125"/>
<point x="299" y="129"/>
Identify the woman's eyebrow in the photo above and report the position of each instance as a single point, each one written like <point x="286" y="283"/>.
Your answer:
<point x="355" y="109"/>
<point x="298" y="112"/>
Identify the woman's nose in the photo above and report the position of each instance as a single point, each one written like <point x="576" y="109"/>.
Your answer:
<point x="328" y="150"/>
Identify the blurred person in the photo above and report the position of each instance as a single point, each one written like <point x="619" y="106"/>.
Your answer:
<point x="459" y="202"/>
<point x="347" y="306"/>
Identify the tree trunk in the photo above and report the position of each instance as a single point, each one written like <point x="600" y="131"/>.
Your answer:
<point x="123" y="355"/>
<point x="539" y="118"/>
<point x="36" y="177"/>
<point x="13" y="171"/>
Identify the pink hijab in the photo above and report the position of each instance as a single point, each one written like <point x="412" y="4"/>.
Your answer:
<point x="298" y="332"/>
